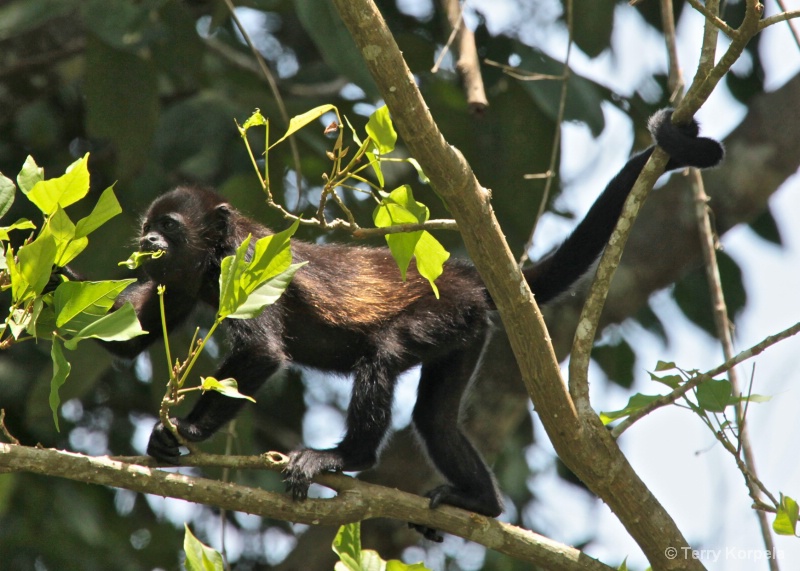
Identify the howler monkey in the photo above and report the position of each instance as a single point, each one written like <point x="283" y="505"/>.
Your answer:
<point x="348" y="311"/>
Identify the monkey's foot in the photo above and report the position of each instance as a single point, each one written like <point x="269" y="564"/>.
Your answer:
<point x="484" y="504"/>
<point x="427" y="532"/>
<point x="305" y="464"/>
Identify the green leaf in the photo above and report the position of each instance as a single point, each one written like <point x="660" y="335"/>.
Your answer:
<point x="227" y="387"/>
<point x="431" y="256"/>
<point x="29" y="175"/>
<point x="107" y="207"/>
<point x="765" y="226"/>
<point x="35" y="263"/>
<point x="21" y="224"/>
<point x="255" y="120"/>
<point x="246" y="288"/>
<point x="399" y="207"/>
<point x="136" y="259"/>
<point x="95" y="298"/>
<point x="381" y="131"/>
<point x="616" y="359"/>
<point x="266" y="294"/>
<point x="271" y="256"/>
<point x="200" y="557"/>
<point x="120" y="325"/>
<point x="347" y="545"/>
<point x="786" y="519"/>
<point x="61" y="369"/>
<point x="61" y="228"/>
<point x="665" y="366"/>
<point x="672" y="381"/>
<point x="422" y="176"/>
<point x="67" y="189"/>
<point x="229" y="279"/>
<point x="299" y="121"/>
<point x="714" y="396"/>
<point x="18" y="321"/>
<point x="402" y="246"/>
<point x="7" y="191"/>
<point x="635" y="403"/>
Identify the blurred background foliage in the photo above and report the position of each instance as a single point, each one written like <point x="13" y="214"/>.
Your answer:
<point x="151" y="88"/>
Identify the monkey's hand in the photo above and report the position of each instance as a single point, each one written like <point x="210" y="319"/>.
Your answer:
<point x="163" y="445"/>
<point x="305" y="464"/>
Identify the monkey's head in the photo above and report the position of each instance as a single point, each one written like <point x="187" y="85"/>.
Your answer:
<point x="190" y="226"/>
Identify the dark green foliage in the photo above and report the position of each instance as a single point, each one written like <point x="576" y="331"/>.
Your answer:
<point x="694" y="299"/>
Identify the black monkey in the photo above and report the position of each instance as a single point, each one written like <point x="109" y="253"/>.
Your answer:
<point x="348" y="311"/>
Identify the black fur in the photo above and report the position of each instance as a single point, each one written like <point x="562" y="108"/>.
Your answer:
<point x="348" y="311"/>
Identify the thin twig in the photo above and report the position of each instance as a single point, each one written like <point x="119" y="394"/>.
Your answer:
<point x="714" y="18"/>
<point x="521" y="74"/>
<point x="708" y="245"/>
<point x="555" y="150"/>
<point x="273" y="86"/>
<point x="789" y="22"/>
<point x="782" y="17"/>
<point x="676" y="394"/>
<point x="4" y="429"/>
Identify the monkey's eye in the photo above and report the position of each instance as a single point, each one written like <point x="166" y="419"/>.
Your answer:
<point x="169" y="224"/>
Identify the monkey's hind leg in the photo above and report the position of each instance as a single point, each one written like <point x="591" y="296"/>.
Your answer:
<point x="368" y="419"/>
<point x="442" y="384"/>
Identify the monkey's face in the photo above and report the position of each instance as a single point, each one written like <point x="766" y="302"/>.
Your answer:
<point x="171" y="233"/>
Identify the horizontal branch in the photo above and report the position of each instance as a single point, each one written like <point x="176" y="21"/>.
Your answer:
<point x="356" y="500"/>
<point x="429" y="225"/>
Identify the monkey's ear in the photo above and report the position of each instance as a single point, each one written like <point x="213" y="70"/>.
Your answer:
<point x="222" y="217"/>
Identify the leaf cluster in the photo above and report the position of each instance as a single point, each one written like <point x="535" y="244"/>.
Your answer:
<point x="394" y="208"/>
<point x="44" y="305"/>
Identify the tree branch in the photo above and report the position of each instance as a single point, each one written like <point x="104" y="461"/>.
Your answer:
<point x="581" y="442"/>
<point x="356" y="500"/>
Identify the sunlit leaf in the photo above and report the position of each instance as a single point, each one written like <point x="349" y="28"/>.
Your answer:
<point x="227" y="387"/>
<point x="381" y="130"/>
<point x="635" y="403"/>
<point x="61" y="369"/>
<point x="299" y="121"/>
<point x="136" y="259"/>
<point x="67" y="189"/>
<point x="35" y="263"/>
<point x="266" y="294"/>
<point x="29" y="175"/>
<point x="255" y="120"/>
<point x="21" y="224"/>
<point x="120" y="325"/>
<point x="431" y="256"/>
<point x="107" y="207"/>
<point x="7" y="191"/>
<point x="786" y="519"/>
<point x="95" y="298"/>
<point x="200" y="557"/>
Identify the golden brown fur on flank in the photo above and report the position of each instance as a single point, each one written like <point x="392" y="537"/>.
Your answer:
<point x="356" y="286"/>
